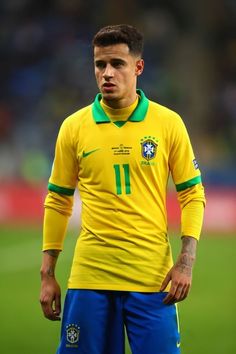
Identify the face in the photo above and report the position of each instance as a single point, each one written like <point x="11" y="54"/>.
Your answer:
<point x="116" y="71"/>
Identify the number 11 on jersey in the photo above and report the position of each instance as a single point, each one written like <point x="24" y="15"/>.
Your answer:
<point x="120" y="171"/>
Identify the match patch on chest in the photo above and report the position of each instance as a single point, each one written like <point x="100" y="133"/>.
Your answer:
<point x="121" y="149"/>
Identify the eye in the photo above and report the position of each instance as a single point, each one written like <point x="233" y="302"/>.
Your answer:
<point x="100" y="64"/>
<point x="117" y="64"/>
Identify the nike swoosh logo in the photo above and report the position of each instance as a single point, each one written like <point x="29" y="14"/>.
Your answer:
<point x="85" y="154"/>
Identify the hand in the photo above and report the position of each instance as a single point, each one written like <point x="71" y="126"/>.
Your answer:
<point x="180" y="276"/>
<point x="50" y="299"/>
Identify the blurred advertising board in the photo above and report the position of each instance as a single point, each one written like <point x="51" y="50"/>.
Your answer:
<point x="23" y="204"/>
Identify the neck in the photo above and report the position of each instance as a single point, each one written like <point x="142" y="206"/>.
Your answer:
<point x="119" y="114"/>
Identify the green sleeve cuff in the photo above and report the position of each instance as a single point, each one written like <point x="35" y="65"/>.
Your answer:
<point x="60" y="190"/>
<point x="191" y="182"/>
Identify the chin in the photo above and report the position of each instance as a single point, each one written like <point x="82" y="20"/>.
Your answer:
<point x="109" y="96"/>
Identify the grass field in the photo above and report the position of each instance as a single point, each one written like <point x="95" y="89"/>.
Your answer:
<point x="208" y="316"/>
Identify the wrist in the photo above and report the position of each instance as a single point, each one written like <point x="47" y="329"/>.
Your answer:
<point x="185" y="264"/>
<point x="47" y="273"/>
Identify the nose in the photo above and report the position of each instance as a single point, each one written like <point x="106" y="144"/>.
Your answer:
<point x="108" y="72"/>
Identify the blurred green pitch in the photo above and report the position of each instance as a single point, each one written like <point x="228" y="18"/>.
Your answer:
<point x="207" y="317"/>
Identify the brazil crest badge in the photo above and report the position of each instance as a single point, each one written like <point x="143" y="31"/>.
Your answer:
<point x="72" y="333"/>
<point x="149" y="147"/>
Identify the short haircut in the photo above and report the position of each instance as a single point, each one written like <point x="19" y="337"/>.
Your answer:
<point x="118" y="34"/>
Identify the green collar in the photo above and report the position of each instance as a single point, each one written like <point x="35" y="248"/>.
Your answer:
<point x="137" y="116"/>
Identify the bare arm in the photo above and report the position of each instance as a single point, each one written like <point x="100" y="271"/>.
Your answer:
<point x="50" y="295"/>
<point x="180" y="274"/>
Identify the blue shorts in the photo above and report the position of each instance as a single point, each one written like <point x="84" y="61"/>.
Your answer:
<point x="94" y="322"/>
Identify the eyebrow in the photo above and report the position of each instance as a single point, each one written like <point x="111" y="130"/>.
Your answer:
<point x="113" y="60"/>
<point x="118" y="60"/>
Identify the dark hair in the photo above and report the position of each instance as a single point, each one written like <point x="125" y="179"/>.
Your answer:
<point x="117" y="34"/>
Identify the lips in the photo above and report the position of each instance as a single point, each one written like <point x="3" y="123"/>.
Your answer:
<point x="108" y="85"/>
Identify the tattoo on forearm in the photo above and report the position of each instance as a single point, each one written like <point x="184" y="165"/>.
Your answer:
<point x="50" y="271"/>
<point x="49" y="264"/>
<point x="53" y="253"/>
<point x="189" y="246"/>
<point x="187" y="256"/>
<point x="184" y="265"/>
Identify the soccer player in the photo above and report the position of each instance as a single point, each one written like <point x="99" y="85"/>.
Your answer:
<point x="119" y="151"/>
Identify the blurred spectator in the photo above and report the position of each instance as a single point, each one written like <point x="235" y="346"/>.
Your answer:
<point x="46" y="74"/>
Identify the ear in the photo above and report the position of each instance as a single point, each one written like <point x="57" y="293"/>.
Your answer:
<point x="139" y="67"/>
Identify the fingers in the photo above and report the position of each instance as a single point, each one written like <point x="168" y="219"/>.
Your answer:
<point x="178" y="292"/>
<point x="57" y="306"/>
<point x="165" y="282"/>
<point x="51" y="308"/>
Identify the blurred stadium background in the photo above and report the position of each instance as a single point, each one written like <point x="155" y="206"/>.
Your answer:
<point x="46" y="74"/>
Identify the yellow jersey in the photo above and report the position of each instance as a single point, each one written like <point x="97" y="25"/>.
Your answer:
<point x="121" y="169"/>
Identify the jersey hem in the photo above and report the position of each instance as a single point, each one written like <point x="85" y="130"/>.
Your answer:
<point x="117" y="287"/>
